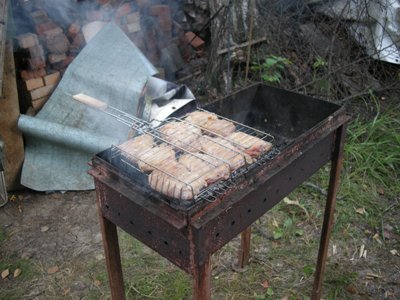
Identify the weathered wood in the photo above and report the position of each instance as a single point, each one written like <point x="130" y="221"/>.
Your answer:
<point x="3" y="27"/>
<point x="9" y="113"/>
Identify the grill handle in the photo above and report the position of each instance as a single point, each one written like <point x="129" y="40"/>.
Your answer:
<point x="93" y="102"/>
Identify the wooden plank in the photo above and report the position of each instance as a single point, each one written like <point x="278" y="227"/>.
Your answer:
<point x="9" y="114"/>
<point x="3" y="27"/>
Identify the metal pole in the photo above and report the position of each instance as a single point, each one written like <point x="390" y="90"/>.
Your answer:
<point x="337" y="163"/>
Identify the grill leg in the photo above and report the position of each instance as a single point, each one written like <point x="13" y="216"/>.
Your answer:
<point x="337" y="162"/>
<point x="244" y="251"/>
<point x="202" y="281"/>
<point x="112" y="256"/>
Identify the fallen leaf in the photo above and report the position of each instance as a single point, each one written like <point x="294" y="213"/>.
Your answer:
<point x="66" y="291"/>
<point x="334" y="249"/>
<point x="97" y="283"/>
<point x="376" y="238"/>
<point x="265" y="284"/>
<point x="275" y="223"/>
<point x="44" y="228"/>
<point x="381" y="191"/>
<point x="361" y="211"/>
<point x="362" y="250"/>
<point x="394" y="252"/>
<point x="52" y="270"/>
<point x="20" y="208"/>
<point x="351" y="289"/>
<point x="13" y="198"/>
<point x="5" y="273"/>
<point x="17" y="272"/>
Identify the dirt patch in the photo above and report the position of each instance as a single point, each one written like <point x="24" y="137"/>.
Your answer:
<point x="55" y="240"/>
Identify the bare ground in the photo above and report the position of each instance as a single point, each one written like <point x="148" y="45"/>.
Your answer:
<point x="54" y="239"/>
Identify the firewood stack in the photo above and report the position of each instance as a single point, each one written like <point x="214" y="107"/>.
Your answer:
<point x="150" y="25"/>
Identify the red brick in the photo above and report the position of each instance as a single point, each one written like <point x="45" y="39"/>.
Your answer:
<point x="34" y="83"/>
<point x="157" y="10"/>
<point x="137" y="39"/>
<point x="28" y="40"/>
<point x="37" y="104"/>
<point x="39" y="16"/>
<point x="55" y="58"/>
<point x="165" y="23"/>
<point x="78" y="42"/>
<point x="52" y="78"/>
<point x="94" y="15"/>
<point x="26" y="75"/>
<point x="36" y="51"/>
<point x="73" y="30"/>
<point x="194" y="40"/>
<point x="123" y="10"/>
<point x="37" y="63"/>
<point x="57" y="44"/>
<point x="42" y="92"/>
<point x="52" y="32"/>
<point x="43" y="27"/>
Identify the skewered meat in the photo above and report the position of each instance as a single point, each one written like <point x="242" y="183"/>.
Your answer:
<point x="218" y="127"/>
<point x="211" y="168"/>
<point x="221" y="148"/>
<point x="182" y="135"/>
<point x="251" y="145"/>
<point x="134" y="147"/>
<point x="156" y="157"/>
<point x="200" y="117"/>
<point x="176" y="181"/>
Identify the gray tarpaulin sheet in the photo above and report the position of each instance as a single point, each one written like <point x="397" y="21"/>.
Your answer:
<point x="64" y="135"/>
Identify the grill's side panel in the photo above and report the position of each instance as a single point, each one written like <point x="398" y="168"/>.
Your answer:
<point x="217" y="228"/>
<point x="143" y="224"/>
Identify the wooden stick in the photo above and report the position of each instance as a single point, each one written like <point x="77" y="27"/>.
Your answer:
<point x="225" y="50"/>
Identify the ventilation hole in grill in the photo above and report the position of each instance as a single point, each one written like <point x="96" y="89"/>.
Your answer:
<point x="265" y="200"/>
<point x="131" y="222"/>
<point x="249" y="210"/>
<point x="149" y="232"/>
<point x="119" y="214"/>
<point x="233" y="223"/>
<point x="166" y="243"/>
<point x="217" y="234"/>
<point x="180" y="252"/>
<point x="107" y="206"/>
<point x="277" y="191"/>
<point x="302" y="169"/>
<point x="290" y="178"/>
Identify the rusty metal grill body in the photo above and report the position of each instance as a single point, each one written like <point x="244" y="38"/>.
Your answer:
<point x="308" y="134"/>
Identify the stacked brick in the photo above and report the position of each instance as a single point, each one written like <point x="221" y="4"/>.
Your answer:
<point x="148" y="23"/>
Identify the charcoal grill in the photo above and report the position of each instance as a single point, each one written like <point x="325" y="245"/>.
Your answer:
<point x="307" y="133"/>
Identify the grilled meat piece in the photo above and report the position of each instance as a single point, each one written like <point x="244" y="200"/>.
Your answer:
<point x="221" y="148"/>
<point x="211" y="168"/>
<point x="182" y="135"/>
<point x="135" y="146"/>
<point x="156" y="157"/>
<point x="175" y="181"/>
<point x="218" y="127"/>
<point x="200" y="117"/>
<point x="251" y="145"/>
